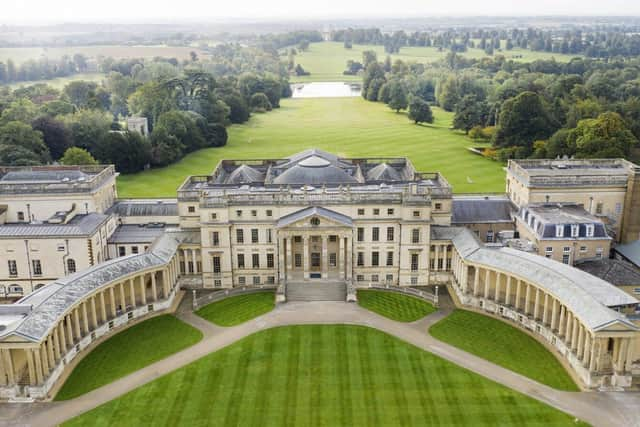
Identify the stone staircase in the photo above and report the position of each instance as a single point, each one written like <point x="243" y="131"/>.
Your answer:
<point x="316" y="291"/>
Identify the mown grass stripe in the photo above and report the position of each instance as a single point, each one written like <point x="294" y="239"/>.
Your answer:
<point x="239" y="381"/>
<point x="293" y="371"/>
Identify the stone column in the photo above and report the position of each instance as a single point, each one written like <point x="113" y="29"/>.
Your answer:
<point x="154" y="288"/>
<point x="143" y="288"/>
<point x="536" y="304"/>
<point x="31" y="366"/>
<point x="349" y="257"/>
<point x="518" y="294"/>
<point x="527" y="298"/>
<point x="562" y="324"/>
<point x="568" y="332"/>
<point x="94" y="316"/>
<point x="435" y="262"/>
<point x="35" y="355"/>
<point x="52" y="358"/>
<point x="487" y="276"/>
<point x="342" y="261"/>
<point x="305" y="256"/>
<point x="85" y="318"/>
<point x="57" y="351"/>
<point x="476" y="280"/>
<point x="194" y="256"/>
<point x="103" y="308"/>
<point x="63" y="339"/>
<point x="123" y="300"/>
<point x="112" y="300"/>
<point x="507" y="297"/>
<point x="587" y="349"/>
<point x="592" y="355"/>
<point x="165" y="283"/>
<point x="325" y="266"/>
<point x="44" y="359"/>
<point x="281" y="258"/>
<point x="545" y="313"/>
<point x="554" y="314"/>
<point x="580" y="346"/>
<point x="132" y="291"/>
<point x="76" y="322"/>
<point x="497" y="295"/>
<point x="8" y="365"/>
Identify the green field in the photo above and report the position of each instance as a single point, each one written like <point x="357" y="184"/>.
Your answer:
<point x="61" y="82"/>
<point x="322" y="376"/>
<point x="238" y="309"/>
<point x="327" y="60"/>
<point x="403" y="308"/>
<point x="126" y="352"/>
<point x="503" y="345"/>
<point x="345" y="126"/>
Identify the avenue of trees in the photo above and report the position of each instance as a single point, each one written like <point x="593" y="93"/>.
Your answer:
<point x="583" y="108"/>
<point x="188" y="107"/>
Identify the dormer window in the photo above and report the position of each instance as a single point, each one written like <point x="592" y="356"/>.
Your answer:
<point x="575" y="230"/>
<point x="559" y="230"/>
<point x="590" y="230"/>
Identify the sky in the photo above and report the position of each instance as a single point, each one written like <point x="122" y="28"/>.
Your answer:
<point x="50" y="11"/>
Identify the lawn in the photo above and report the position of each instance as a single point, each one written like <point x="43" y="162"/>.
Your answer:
<point x="126" y="352"/>
<point x="327" y="60"/>
<point x="346" y="126"/>
<point x="503" y="345"/>
<point x="395" y="306"/>
<point x="238" y="309"/>
<point x="60" y="82"/>
<point x="316" y="375"/>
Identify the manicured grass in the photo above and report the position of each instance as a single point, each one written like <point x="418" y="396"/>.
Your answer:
<point x="325" y="375"/>
<point x="345" y="126"/>
<point x="403" y="308"/>
<point x="327" y="60"/>
<point x="238" y="309"/>
<point x="126" y="352"/>
<point x="503" y="345"/>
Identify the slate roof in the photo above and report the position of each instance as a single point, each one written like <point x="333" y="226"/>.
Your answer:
<point x="467" y="210"/>
<point x="588" y="297"/>
<point x="383" y="172"/>
<point x="52" y="301"/>
<point x="244" y="174"/>
<point x="314" y="211"/>
<point x="145" y="208"/>
<point x="134" y="233"/>
<point x="314" y="170"/>
<point x="80" y="225"/>
<point x="630" y="251"/>
<point x="45" y="176"/>
<point x="614" y="271"/>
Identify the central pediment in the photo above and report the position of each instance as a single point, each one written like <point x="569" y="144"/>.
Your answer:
<point x="315" y="216"/>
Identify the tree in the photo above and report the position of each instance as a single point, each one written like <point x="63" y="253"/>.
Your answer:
<point x="238" y="108"/>
<point x="470" y="112"/>
<point x="80" y="92"/>
<point x="20" y="110"/>
<point x="369" y="57"/>
<point x="128" y="151"/>
<point x="150" y="100"/>
<point x="55" y="135"/>
<point x="605" y="136"/>
<point x="87" y="127"/>
<point x="260" y="102"/>
<point x="57" y="108"/>
<point x="523" y="120"/>
<point x="21" y="145"/>
<point x="419" y="111"/>
<point x="77" y="156"/>
<point x="398" y="97"/>
<point x="372" y="73"/>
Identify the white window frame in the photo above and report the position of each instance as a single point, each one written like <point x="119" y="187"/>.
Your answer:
<point x="591" y="228"/>
<point x="560" y="230"/>
<point x="575" y="230"/>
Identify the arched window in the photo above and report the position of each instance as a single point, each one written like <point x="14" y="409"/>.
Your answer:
<point x="39" y="285"/>
<point x="71" y="266"/>
<point x="16" y="289"/>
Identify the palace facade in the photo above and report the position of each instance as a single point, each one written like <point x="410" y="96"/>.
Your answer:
<point x="307" y="222"/>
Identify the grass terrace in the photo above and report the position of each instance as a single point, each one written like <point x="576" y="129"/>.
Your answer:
<point x="323" y="376"/>
<point x="395" y="306"/>
<point x="504" y="345"/>
<point x="130" y="350"/>
<point x="238" y="309"/>
<point x="345" y="126"/>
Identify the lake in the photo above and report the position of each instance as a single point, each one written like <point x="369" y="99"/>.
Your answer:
<point x="325" y="90"/>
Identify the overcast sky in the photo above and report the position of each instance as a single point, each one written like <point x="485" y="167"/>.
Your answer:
<point x="27" y="11"/>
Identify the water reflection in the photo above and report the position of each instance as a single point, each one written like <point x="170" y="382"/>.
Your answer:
<point x="325" y="90"/>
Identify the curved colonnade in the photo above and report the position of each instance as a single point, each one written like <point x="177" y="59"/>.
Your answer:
<point x="53" y="324"/>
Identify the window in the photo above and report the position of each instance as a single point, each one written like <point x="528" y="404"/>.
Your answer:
<point x="618" y="209"/>
<point x="360" y="278"/>
<point x="448" y="264"/>
<point x="360" y="260"/>
<point x="390" y="211"/>
<point x="71" y="266"/>
<point x="565" y="258"/>
<point x="269" y="212"/>
<point x="254" y="213"/>
<point x="215" y="238"/>
<point x="214" y="216"/>
<point x="61" y="247"/>
<point x="375" y="234"/>
<point x="239" y="235"/>
<point x="240" y="260"/>
<point x="20" y="216"/>
<point x="599" y="208"/>
<point x="415" y="235"/>
<point x="566" y="249"/>
<point x="559" y="230"/>
<point x="360" y="211"/>
<point x="269" y="260"/>
<point x="315" y="221"/>
<point x="217" y="283"/>
<point x="297" y="239"/>
<point x="390" y="234"/>
<point x="271" y="280"/>
<point x="254" y="235"/>
<point x="134" y="249"/>
<point x="37" y="267"/>
<point x="599" y="252"/>
<point x="256" y="280"/>
<point x="374" y="278"/>
<point x="389" y="259"/>
<point x="15" y="289"/>
<point x="269" y="236"/>
<point x="315" y="259"/>
<point x="297" y="259"/>
<point x="590" y="230"/>
<point x="414" y="262"/>
<point x="389" y="278"/>
<point x="333" y="259"/>
<point x="242" y="280"/>
<point x="255" y="260"/>
<point x="216" y="265"/>
<point x="575" y="230"/>
<point x="416" y="213"/>
<point x="414" y="280"/>
<point x="13" y="268"/>
<point x="375" y="258"/>
<point x="583" y="249"/>
<point x="191" y="209"/>
<point x="376" y="211"/>
<point x="239" y="214"/>
<point x="360" y="234"/>
<point x="333" y="238"/>
<point x="122" y="251"/>
<point x="548" y="249"/>
<point x="438" y="206"/>
<point x="432" y="264"/>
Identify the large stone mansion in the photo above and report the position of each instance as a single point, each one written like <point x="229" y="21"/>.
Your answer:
<point x="77" y="263"/>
